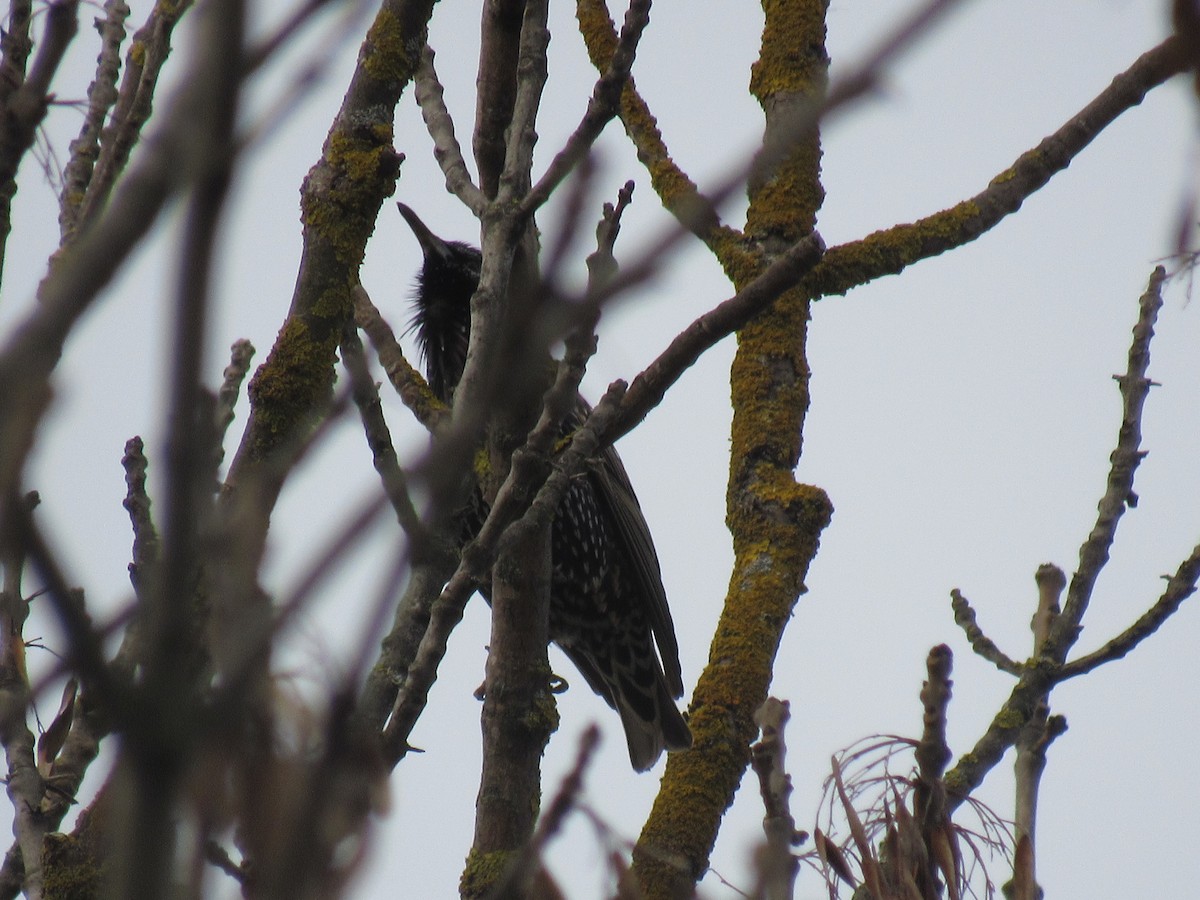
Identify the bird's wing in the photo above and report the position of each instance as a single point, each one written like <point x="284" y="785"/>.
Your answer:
<point x="612" y="486"/>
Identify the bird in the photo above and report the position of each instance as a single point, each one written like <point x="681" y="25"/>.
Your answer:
<point x="608" y="608"/>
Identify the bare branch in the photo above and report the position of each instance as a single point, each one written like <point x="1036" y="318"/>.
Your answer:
<point x="23" y="778"/>
<point x="379" y="439"/>
<point x="348" y="184"/>
<point x="16" y="44"/>
<point x="1134" y="386"/>
<point x="968" y="773"/>
<point x="695" y="211"/>
<point x="1056" y="633"/>
<point x="679" y="193"/>
<point x="76" y="277"/>
<point x="24" y="108"/>
<point x="427" y="90"/>
<point x="964" y="616"/>
<point x="102" y="94"/>
<point x="407" y="381"/>
<point x="1035" y="738"/>
<point x="531" y="73"/>
<point x="649" y="387"/>
<point x="933" y="825"/>
<point x="894" y="249"/>
<point x="1180" y="586"/>
<point x="153" y="756"/>
<point x="526" y="866"/>
<point x="143" y="63"/>
<point x="445" y="613"/>
<point x="603" y="105"/>
<point x="398" y="657"/>
<point x="933" y="752"/>
<point x="241" y="353"/>
<point x="31" y="97"/>
<point x="777" y="865"/>
<point x="519" y="713"/>
<point x="1050" y="581"/>
<point x="143" y="568"/>
<point x="257" y="56"/>
<point x="584" y="444"/>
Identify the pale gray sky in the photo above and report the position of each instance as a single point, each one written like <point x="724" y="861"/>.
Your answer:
<point x="962" y="417"/>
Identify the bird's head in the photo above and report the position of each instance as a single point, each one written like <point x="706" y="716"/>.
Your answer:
<point x="442" y="304"/>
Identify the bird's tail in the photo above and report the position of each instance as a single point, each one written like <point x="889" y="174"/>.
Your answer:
<point x="652" y="724"/>
<point x="638" y="692"/>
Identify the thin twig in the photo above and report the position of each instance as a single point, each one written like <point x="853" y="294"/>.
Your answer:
<point x="964" y="617"/>
<point x="255" y="57"/>
<point x="408" y="383"/>
<point x="1134" y="386"/>
<point x="25" y="108"/>
<point x="525" y="867"/>
<point x="428" y="91"/>
<point x="1055" y="642"/>
<point x="143" y="567"/>
<point x="933" y="825"/>
<point x="23" y="780"/>
<point x="234" y="375"/>
<point x="102" y="94"/>
<point x="379" y="439"/>
<point x="1180" y="586"/>
<point x="650" y="386"/>
<point x="219" y="857"/>
<point x="776" y="864"/>
<point x="602" y="107"/>
<point x="143" y="63"/>
<point x="562" y="237"/>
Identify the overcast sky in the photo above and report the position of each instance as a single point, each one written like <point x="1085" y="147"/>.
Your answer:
<point x="962" y="417"/>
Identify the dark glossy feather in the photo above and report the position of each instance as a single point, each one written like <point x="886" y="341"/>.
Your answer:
<point x="608" y="609"/>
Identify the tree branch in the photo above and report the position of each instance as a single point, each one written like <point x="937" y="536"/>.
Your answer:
<point x="1180" y="586"/>
<point x="340" y="200"/>
<point x="519" y="880"/>
<point x="23" y="779"/>
<point x="25" y="107"/>
<point x="496" y="87"/>
<point x="102" y="94"/>
<point x="603" y="105"/>
<point x="408" y="383"/>
<point x="679" y="194"/>
<point x="964" y="616"/>
<point x="777" y="865"/>
<point x="1056" y="633"/>
<point x="379" y="439"/>
<point x="427" y="90"/>
<point x="650" y="386"/>
<point x="775" y="523"/>
<point x="1134" y="386"/>
<point x="892" y="250"/>
<point x="86" y="193"/>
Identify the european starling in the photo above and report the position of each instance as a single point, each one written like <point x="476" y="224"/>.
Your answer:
<point x="608" y="609"/>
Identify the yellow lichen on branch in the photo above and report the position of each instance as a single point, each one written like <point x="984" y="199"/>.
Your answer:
<point x="677" y="192"/>
<point x="774" y="521"/>
<point x="340" y="200"/>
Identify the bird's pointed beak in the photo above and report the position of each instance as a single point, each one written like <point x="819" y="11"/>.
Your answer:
<point x="431" y="244"/>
